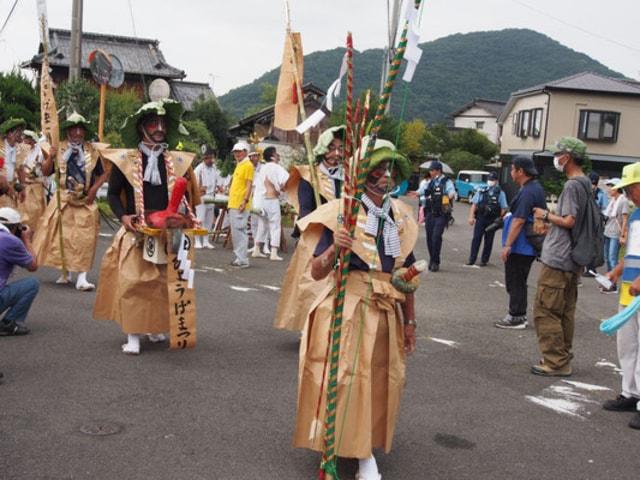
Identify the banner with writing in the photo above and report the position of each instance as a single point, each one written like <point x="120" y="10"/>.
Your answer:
<point x="182" y="294"/>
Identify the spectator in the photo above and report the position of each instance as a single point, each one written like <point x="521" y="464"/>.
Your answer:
<point x="488" y="205"/>
<point x="602" y="202"/>
<point x="207" y="175"/>
<point x="439" y="193"/>
<point x="517" y="252"/>
<point x="240" y="203"/>
<point x="15" y="249"/>
<point x="273" y="178"/>
<point x="257" y="194"/>
<point x="628" y="336"/>
<point x="616" y="213"/>
<point x="555" y="305"/>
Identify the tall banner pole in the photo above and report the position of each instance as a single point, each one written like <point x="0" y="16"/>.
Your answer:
<point x="103" y="96"/>
<point x="303" y="114"/>
<point x="50" y="129"/>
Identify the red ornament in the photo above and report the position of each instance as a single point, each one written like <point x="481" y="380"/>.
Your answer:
<point x="294" y="94"/>
<point x="1" y="162"/>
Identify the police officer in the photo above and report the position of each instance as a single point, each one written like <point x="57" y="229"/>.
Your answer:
<point x="439" y="192"/>
<point x="488" y="204"/>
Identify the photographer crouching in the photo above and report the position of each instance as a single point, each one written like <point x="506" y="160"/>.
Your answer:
<point x="15" y="249"/>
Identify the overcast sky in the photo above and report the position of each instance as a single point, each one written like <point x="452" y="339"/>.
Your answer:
<point x="231" y="42"/>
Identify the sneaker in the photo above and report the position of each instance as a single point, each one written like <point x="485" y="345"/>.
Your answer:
<point x="257" y="253"/>
<point x="546" y="371"/>
<point x="609" y="291"/>
<point x="209" y="246"/>
<point x="12" y="329"/>
<point x="238" y="264"/>
<point x="484" y="264"/>
<point x="511" y="322"/>
<point x="621" y="404"/>
<point x="469" y="263"/>
<point x="635" y="421"/>
<point x="435" y="267"/>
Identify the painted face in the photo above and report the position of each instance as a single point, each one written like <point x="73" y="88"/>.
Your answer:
<point x="154" y="128"/>
<point x="76" y="134"/>
<point x="14" y="136"/>
<point x="380" y="179"/>
<point x="333" y="157"/>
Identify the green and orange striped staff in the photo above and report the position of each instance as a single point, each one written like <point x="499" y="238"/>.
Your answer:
<point x="328" y="467"/>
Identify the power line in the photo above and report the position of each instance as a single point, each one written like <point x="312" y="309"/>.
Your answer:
<point x="583" y="30"/>
<point x="13" y="7"/>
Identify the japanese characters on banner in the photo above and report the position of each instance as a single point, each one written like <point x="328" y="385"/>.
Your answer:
<point x="182" y="295"/>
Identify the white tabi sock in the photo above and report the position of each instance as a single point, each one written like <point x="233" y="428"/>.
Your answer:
<point x="368" y="469"/>
<point x="132" y="347"/>
<point x="82" y="283"/>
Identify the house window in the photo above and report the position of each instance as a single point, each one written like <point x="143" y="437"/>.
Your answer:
<point x="525" y="123"/>
<point x="515" y="122"/>
<point x="597" y="126"/>
<point x="536" y="122"/>
<point x="479" y="125"/>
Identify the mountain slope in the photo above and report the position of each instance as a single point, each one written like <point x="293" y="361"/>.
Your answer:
<point x="453" y="71"/>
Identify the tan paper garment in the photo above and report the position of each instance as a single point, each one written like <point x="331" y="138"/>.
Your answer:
<point x="286" y="112"/>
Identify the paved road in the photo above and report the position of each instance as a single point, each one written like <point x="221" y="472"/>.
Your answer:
<point x="471" y="409"/>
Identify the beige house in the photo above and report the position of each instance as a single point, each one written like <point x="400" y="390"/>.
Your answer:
<point x="602" y="111"/>
<point x="480" y="115"/>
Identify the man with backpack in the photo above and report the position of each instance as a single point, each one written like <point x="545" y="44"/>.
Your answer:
<point x="569" y="246"/>
<point x="488" y="204"/>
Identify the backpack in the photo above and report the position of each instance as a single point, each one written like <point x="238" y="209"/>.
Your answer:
<point x="587" y="249"/>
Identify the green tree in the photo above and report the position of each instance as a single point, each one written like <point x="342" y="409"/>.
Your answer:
<point x="462" y="160"/>
<point x="437" y="140"/>
<point x="119" y="105"/>
<point x="267" y="99"/>
<point x="216" y="121"/>
<point x="199" y="134"/>
<point x="412" y="140"/>
<point x="19" y="99"/>
<point x="474" y="142"/>
<point x="80" y="96"/>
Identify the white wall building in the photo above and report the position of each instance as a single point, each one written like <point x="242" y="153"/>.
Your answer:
<point x="481" y="115"/>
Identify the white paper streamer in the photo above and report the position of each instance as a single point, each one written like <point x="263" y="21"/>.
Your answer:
<point x="314" y="119"/>
<point x="413" y="53"/>
<point x="334" y="89"/>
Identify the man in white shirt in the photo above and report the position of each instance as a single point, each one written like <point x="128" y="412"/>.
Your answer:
<point x="272" y="178"/>
<point x="207" y="175"/>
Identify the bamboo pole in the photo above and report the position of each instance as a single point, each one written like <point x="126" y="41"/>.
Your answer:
<point x="103" y="96"/>
<point x="351" y="207"/>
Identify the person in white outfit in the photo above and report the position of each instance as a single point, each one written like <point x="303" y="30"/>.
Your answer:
<point x="256" y="204"/>
<point x="273" y="178"/>
<point x="207" y="176"/>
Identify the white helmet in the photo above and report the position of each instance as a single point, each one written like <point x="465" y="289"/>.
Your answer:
<point x="9" y="216"/>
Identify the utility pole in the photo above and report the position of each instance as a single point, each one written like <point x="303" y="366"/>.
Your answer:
<point x="75" y="62"/>
<point x="392" y="29"/>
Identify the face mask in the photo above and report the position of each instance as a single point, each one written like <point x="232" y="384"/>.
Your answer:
<point x="492" y="183"/>
<point x="556" y="164"/>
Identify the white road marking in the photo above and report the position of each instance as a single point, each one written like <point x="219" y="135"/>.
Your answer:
<point x="498" y="284"/>
<point x="243" y="289"/>
<point x="271" y="287"/>
<point x="559" y="405"/>
<point x="200" y="270"/>
<point x="448" y="343"/>
<point x="571" y="398"/>
<point x="455" y="249"/>
<point x="587" y="386"/>
<point x="107" y="235"/>
<point x="471" y="266"/>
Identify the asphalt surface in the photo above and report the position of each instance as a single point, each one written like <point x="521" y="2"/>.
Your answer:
<point x="471" y="409"/>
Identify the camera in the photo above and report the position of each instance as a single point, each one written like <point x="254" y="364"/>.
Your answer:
<point x="496" y="225"/>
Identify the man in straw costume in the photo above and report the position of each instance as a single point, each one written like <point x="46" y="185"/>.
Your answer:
<point x="33" y="205"/>
<point x="375" y="341"/>
<point x="132" y="290"/>
<point x="299" y="290"/>
<point x="81" y="175"/>
<point x="12" y="154"/>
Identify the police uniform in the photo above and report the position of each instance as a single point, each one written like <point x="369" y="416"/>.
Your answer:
<point x="490" y="202"/>
<point x="437" y="211"/>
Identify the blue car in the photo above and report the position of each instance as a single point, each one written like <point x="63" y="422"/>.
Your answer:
<point x="468" y="181"/>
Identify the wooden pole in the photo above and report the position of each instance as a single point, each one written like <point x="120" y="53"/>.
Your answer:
<point x="103" y="96"/>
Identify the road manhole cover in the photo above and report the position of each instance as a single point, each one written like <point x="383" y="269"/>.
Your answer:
<point x="100" y="429"/>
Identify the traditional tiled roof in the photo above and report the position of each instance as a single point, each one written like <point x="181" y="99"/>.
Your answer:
<point x="492" y="106"/>
<point x="139" y="56"/>
<point x="188" y="92"/>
